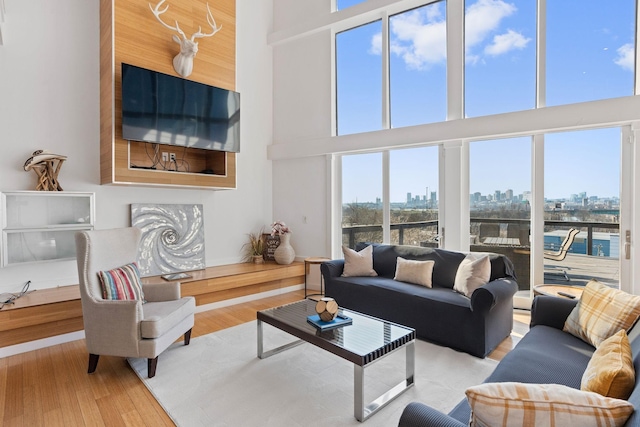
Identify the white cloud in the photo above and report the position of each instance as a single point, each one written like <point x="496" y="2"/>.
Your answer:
<point x="484" y="17"/>
<point x="419" y="37"/>
<point x="506" y="42"/>
<point x="376" y="44"/>
<point x="625" y="56"/>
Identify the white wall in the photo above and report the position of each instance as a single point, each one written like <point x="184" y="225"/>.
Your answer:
<point x="302" y="112"/>
<point x="49" y="98"/>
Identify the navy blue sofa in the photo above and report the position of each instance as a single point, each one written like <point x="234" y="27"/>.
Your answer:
<point x="439" y="314"/>
<point x="545" y="355"/>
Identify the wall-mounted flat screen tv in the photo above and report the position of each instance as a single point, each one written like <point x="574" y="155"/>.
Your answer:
<point x="164" y="109"/>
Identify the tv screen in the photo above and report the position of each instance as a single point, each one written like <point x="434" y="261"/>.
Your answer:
<point x="170" y="110"/>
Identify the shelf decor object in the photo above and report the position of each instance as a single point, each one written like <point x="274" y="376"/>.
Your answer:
<point x="327" y="309"/>
<point x="41" y="225"/>
<point x="47" y="166"/>
<point x="172" y="238"/>
<point x="183" y="61"/>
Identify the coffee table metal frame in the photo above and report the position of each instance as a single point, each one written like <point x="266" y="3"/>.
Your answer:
<point x="307" y="333"/>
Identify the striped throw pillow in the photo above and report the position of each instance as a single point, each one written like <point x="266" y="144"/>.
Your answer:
<point x="122" y="283"/>
<point x="520" y="404"/>
<point x="601" y="312"/>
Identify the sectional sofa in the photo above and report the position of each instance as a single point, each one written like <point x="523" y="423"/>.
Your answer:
<point x="475" y="324"/>
<point x="545" y="355"/>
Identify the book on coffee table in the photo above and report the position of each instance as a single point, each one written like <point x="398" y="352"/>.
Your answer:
<point x="338" y="322"/>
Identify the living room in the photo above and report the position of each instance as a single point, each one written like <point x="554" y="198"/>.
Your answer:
<point x="290" y="163"/>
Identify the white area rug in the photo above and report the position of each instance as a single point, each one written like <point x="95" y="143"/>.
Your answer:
<point x="218" y="381"/>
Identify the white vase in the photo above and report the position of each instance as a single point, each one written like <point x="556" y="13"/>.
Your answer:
<point x="284" y="253"/>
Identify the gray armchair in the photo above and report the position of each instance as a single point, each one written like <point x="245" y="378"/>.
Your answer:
<point x="127" y="328"/>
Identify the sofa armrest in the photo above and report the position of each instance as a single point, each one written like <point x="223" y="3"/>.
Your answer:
<point x="551" y="311"/>
<point x="486" y="297"/>
<point x="168" y="291"/>
<point x="333" y="268"/>
<point x="419" y="415"/>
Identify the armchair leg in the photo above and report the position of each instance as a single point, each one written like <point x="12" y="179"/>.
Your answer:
<point x="93" y="363"/>
<point x="151" y="367"/>
<point x="187" y="337"/>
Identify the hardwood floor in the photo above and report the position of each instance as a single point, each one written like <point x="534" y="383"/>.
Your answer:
<point x="51" y="387"/>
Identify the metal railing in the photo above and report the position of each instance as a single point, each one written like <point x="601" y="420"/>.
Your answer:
<point x="353" y="231"/>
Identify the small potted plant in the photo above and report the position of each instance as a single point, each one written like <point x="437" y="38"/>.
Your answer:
<point x="254" y="248"/>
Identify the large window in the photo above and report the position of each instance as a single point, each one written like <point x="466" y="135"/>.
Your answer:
<point x="500" y="201"/>
<point x="361" y="198"/>
<point x="413" y="197"/>
<point x="500" y="56"/>
<point x="413" y="182"/>
<point x="358" y="80"/>
<point x="582" y="192"/>
<point x="590" y="50"/>
<point x="418" y="73"/>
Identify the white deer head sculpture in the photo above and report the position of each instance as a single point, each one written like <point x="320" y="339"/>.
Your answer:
<point x="183" y="62"/>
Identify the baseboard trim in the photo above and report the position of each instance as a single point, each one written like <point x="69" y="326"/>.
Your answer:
<point x="25" y="347"/>
<point x="12" y="350"/>
<point x="247" y="298"/>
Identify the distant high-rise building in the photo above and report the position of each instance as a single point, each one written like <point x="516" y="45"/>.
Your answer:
<point x="509" y="194"/>
<point x="433" y="197"/>
<point x="408" y="197"/>
<point x="496" y="195"/>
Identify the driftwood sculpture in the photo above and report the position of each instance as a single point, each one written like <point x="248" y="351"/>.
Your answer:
<point x="47" y="166"/>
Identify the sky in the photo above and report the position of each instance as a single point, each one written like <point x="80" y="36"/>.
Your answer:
<point x="589" y="56"/>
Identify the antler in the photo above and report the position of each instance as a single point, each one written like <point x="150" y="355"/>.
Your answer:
<point x="157" y="12"/>
<point x="211" y="22"/>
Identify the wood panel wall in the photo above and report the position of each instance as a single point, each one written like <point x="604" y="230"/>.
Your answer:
<point x="130" y="33"/>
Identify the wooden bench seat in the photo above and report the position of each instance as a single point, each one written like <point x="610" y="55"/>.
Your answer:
<point x="49" y="312"/>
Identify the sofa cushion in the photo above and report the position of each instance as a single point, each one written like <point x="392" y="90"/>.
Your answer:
<point x="159" y="317"/>
<point x="444" y="269"/>
<point x="601" y="312"/>
<point x="520" y="404"/>
<point x="122" y="283"/>
<point x="610" y="371"/>
<point x="358" y="263"/>
<point x="412" y="271"/>
<point x="473" y="272"/>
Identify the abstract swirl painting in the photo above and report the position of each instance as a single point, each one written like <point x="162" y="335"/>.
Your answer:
<point x="172" y="237"/>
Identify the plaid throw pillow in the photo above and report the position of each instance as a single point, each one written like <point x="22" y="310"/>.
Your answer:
<point x="519" y="404"/>
<point x="610" y="371"/>
<point x="601" y="312"/>
<point x="122" y="283"/>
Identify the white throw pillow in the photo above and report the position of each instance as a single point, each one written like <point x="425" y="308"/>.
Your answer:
<point x="473" y="272"/>
<point x="412" y="271"/>
<point x="358" y="263"/>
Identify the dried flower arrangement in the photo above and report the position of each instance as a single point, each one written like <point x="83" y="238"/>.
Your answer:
<point x="279" y="227"/>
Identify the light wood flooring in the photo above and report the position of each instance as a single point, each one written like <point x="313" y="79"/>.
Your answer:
<point x="50" y="386"/>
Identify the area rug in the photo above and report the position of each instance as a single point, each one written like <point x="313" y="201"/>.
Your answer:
<point x="218" y="381"/>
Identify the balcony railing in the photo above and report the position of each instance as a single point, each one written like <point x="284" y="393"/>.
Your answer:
<point x="512" y="239"/>
<point x="350" y="234"/>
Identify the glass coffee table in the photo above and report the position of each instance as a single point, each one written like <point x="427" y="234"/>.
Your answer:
<point x="365" y="341"/>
